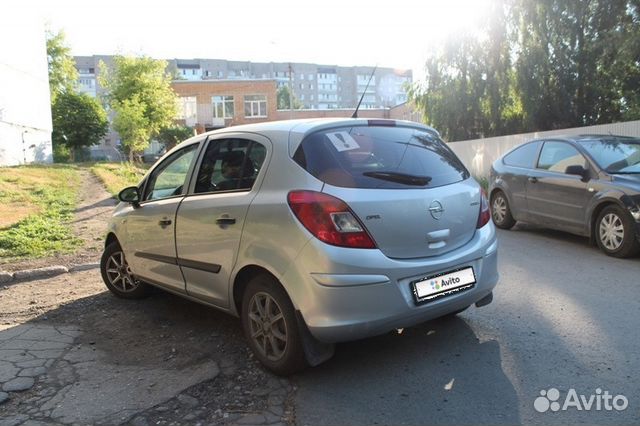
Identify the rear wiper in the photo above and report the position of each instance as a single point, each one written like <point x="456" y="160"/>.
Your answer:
<point x="400" y="178"/>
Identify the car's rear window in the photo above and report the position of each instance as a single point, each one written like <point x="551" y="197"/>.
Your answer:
<point x="379" y="157"/>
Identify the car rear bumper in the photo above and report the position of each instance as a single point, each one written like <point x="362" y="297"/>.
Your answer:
<point x="348" y="294"/>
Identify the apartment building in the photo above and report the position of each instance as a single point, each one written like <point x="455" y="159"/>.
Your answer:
<point x="218" y="93"/>
<point x="315" y="86"/>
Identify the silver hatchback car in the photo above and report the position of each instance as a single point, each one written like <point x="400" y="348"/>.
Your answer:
<point x="312" y="231"/>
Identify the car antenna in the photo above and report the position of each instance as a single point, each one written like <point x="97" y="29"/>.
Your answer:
<point x="355" y="113"/>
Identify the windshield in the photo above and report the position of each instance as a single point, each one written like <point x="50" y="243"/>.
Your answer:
<point x="615" y="155"/>
<point x="379" y="157"/>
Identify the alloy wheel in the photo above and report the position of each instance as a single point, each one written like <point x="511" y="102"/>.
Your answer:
<point x="267" y="326"/>
<point x="119" y="273"/>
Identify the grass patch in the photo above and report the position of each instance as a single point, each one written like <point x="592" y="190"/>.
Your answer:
<point x="117" y="176"/>
<point x="37" y="205"/>
<point x="484" y="183"/>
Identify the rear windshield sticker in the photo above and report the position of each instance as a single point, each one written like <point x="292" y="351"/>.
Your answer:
<point x="343" y="141"/>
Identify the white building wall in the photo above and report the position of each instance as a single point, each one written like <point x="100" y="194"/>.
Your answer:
<point x="25" y="108"/>
<point x="478" y="154"/>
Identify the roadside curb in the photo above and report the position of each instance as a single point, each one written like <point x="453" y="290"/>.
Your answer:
<point x="41" y="273"/>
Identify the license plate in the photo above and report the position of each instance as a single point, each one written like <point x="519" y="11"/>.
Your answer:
<point x="444" y="284"/>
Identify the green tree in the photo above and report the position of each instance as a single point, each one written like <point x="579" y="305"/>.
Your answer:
<point x="62" y="68"/>
<point x="284" y="99"/>
<point x="470" y="88"/>
<point x="536" y="66"/>
<point x="173" y="135"/>
<point x="78" y="121"/>
<point x="138" y="89"/>
<point x="575" y="58"/>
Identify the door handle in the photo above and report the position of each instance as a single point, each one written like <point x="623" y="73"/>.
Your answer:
<point x="533" y="179"/>
<point x="164" y="222"/>
<point x="225" y="221"/>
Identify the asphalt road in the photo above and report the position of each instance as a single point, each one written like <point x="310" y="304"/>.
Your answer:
<point x="564" y="316"/>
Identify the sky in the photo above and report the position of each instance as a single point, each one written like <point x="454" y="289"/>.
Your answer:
<point x="394" y="33"/>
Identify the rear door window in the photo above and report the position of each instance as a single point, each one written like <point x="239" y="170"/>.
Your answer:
<point x="379" y="157"/>
<point x="229" y="165"/>
<point x="523" y="156"/>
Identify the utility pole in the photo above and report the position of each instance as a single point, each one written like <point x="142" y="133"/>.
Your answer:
<point x="290" y="92"/>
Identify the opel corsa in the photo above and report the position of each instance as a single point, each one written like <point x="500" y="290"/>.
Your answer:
<point x="311" y="231"/>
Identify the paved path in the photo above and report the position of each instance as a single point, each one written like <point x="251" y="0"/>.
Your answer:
<point x="87" y="357"/>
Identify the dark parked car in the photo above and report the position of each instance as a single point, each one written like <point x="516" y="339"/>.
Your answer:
<point x="587" y="185"/>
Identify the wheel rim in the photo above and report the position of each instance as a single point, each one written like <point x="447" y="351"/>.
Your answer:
<point x="119" y="273"/>
<point x="611" y="231"/>
<point x="267" y="326"/>
<point x="499" y="209"/>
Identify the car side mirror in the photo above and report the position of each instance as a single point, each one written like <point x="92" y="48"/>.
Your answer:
<point x="578" y="171"/>
<point x="130" y="195"/>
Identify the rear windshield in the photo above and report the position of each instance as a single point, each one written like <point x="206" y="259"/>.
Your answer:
<point x="379" y="157"/>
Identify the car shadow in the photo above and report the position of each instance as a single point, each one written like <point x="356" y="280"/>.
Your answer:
<point x="552" y="233"/>
<point x="435" y="373"/>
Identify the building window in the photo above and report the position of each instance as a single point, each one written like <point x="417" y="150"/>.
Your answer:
<point x="187" y="110"/>
<point x="222" y="106"/>
<point x="255" y="106"/>
<point x="301" y="76"/>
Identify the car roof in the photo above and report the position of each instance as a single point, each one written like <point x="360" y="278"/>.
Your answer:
<point x="585" y="138"/>
<point x="304" y="126"/>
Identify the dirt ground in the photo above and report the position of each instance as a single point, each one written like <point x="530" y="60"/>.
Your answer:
<point x="161" y="360"/>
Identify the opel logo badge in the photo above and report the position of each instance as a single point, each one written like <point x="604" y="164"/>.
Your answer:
<point x="436" y="210"/>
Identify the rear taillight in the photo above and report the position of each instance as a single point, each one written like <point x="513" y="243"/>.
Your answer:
<point x="329" y="219"/>
<point x="485" y="214"/>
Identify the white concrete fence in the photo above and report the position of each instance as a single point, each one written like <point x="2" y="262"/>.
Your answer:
<point x="479" y="154"/>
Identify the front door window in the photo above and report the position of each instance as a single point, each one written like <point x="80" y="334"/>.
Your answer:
<point x="168" y="179"/>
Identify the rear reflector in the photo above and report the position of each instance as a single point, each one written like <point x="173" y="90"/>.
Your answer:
<point x="329" y="219"/>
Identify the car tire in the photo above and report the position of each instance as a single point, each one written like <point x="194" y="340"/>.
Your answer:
<point x="615" y="233"/>
<point x="501" y="212"/>
<point x="270" y="326"/>
<point x="117" y="275"/>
